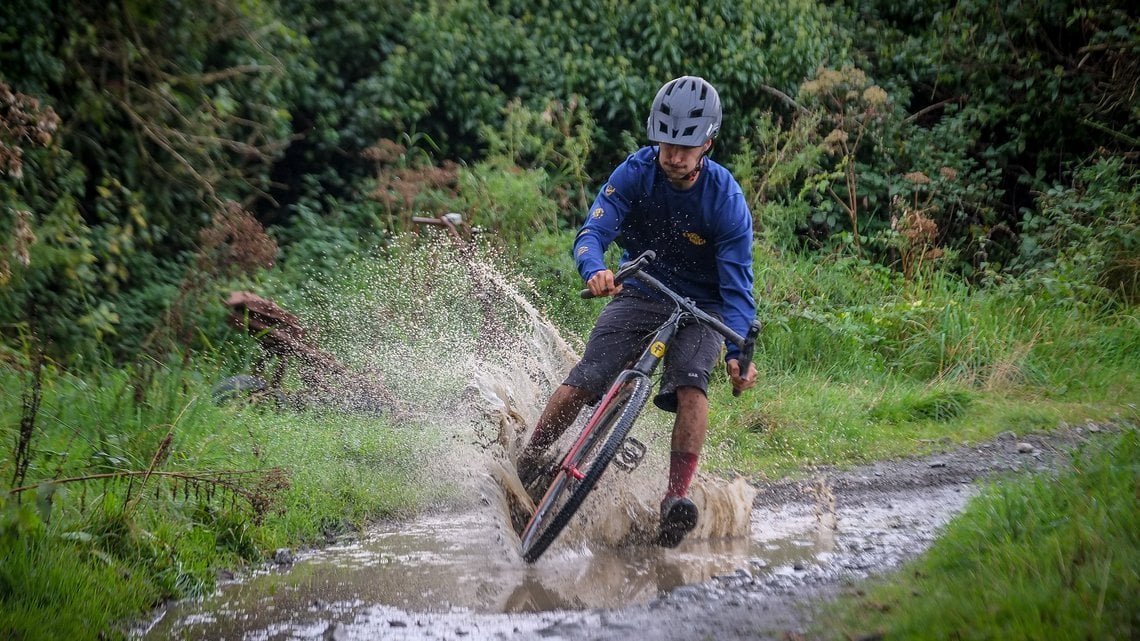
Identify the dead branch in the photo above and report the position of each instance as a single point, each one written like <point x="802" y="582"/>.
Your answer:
<point x="938" y="105"/>
<point x="784" y="98"/>
<point x="214" y="478"/>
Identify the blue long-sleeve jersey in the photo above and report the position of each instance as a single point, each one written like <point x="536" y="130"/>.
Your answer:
<point x="702" y="235"/>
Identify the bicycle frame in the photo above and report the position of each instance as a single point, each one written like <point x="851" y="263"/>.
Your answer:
<point x="645" y="365"/>
<point x="653" y="353"/>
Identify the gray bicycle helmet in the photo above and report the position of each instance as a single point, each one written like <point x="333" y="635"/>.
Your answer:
<point x="686" y="111"/>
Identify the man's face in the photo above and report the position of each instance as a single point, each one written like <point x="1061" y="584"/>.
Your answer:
<point x="678" y="161"/>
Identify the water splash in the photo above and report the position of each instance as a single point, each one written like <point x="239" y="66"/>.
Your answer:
<point x="454" y="336"/>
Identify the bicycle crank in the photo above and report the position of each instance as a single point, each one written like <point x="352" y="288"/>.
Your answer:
<point x="629" y="454"/>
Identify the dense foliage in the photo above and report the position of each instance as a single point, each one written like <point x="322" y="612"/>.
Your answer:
<point x="1016" y="97"/>
<point x="168" y="115"/>
<point x="910" y="134"/>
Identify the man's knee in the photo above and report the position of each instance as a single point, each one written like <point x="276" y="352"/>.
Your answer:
<point x="688" y="396"/>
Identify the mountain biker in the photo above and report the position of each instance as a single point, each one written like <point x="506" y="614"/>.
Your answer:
<point x="672" y="198"/>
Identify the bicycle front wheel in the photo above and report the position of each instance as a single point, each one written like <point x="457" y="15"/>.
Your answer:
<point x="588" y="458"/>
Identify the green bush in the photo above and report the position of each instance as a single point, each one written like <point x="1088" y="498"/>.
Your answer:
<point x="1082" y="242"/>
<point x="1025" y="88"/>
<point x="461" y="63"/>
<point x="167" y="115"/>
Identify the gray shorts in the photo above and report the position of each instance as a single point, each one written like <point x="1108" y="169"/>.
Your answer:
<point x="623" y="330"/>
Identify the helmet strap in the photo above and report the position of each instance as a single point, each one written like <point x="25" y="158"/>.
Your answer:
<point x="692" y="175"/>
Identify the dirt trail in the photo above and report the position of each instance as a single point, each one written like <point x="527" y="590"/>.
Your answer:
<point x="850" y="524"/>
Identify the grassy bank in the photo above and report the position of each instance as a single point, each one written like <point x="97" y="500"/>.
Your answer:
<point x="857" y="364"/>
<point x="227" y="485"/>
<point x="1034" y="558"/>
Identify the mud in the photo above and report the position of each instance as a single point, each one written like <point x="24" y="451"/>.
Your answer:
<point x="458" y="576"/>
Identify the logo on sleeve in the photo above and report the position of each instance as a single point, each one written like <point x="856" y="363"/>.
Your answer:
<point x="694" y="238"/>
<point x="609" y="190"/>
<point x="598" y="213"/>
<point x="582" y="250"/>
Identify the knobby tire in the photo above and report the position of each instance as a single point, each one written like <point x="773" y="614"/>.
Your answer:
<point x="624" y="409"/>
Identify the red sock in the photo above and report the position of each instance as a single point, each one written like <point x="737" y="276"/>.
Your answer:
<point x="682" y="466"/>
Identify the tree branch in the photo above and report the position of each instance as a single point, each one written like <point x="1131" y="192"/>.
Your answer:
<point x="784" y="98"/>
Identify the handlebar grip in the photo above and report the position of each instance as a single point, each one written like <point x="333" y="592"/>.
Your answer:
<point x="747" y="351"/>
<point x="626" y="270"/>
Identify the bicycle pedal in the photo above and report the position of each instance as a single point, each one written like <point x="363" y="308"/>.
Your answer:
<point x="629" y="454"/>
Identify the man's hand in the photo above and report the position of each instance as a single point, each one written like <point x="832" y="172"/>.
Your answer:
<point x="739" y="384"/>
<point x="602" y="283"/>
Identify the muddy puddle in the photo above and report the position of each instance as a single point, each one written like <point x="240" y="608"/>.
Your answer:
<point x="459" y="575"/>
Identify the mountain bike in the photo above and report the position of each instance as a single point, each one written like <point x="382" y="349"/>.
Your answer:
<point x="605" y="436"/>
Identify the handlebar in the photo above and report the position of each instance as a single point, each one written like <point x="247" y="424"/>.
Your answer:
<point x="747" y="344"/>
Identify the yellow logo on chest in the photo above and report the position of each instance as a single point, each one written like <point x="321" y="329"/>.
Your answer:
<point x="694" y="238"/>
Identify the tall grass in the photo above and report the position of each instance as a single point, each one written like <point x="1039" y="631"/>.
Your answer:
<point x="227" y="484"/>
<point x="857" y="363"/>
<point x="846" y="318"/>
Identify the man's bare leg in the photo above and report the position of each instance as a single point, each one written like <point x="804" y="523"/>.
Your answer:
<point x="689" y="430"/>
<point x="561" y="409"/>
<point x="692" y="422"/>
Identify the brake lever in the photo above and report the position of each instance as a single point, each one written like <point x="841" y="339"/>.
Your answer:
<point x="748" y="350"/>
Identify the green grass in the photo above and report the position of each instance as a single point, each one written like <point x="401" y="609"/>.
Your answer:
<point x="56" y="589"/>
<point x="79" y="558"/>
<point x="1035" y="558"/>
<point x="856" y="364"/>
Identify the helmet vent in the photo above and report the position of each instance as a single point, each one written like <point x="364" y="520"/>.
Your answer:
<point x="689" y="130"/>
<point x="697" y="113"/>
